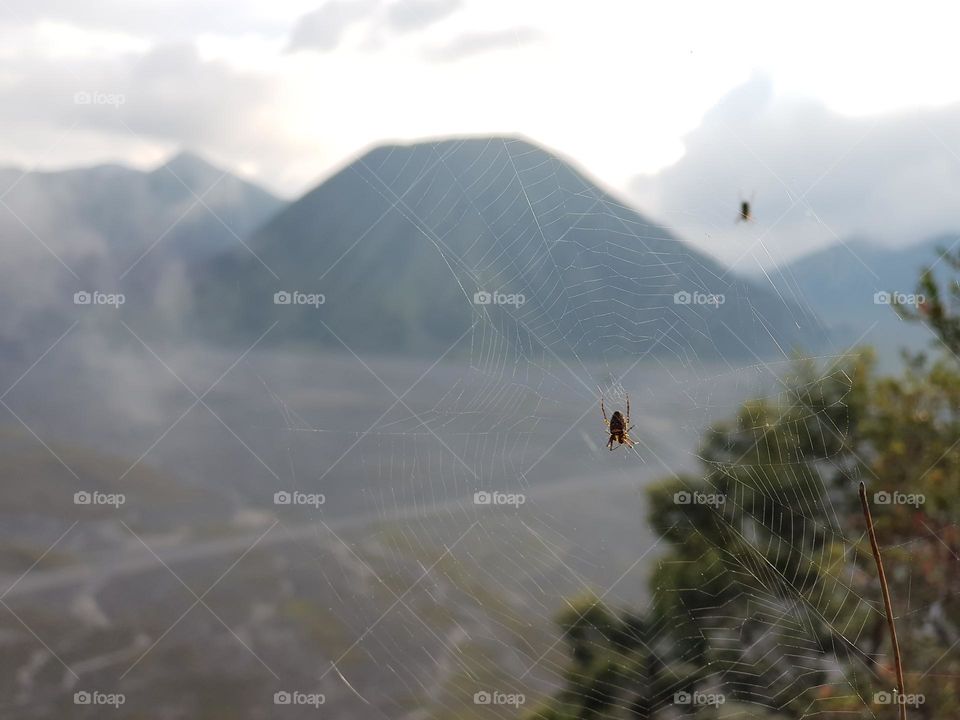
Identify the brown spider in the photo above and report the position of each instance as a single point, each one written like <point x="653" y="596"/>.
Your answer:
<point x="618" y="425"/>
<point x="746" y="212"/>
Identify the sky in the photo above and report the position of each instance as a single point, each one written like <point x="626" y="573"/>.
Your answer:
<point x="835" y="119"/>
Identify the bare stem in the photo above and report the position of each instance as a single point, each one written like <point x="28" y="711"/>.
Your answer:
<point x="885" y="589"/>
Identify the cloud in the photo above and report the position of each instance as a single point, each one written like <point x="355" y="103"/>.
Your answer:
<point x="477" y="43"/>
<point x="168" y="93"/>
<point x="410" y="15"/>
<point x="814" y="176"/>
<point x="140" y="105"/>
<point x="323" y="29"/>
<point x="174" y="94"/>
<point x="162" y="20"/>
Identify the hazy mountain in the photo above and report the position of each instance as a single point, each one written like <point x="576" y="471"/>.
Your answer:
<point x="114" y="229"/>
<point x="840" y="283"/>
<point x="186" y="205"/>
<point x="219" y="207"/>
<point x="401" y="239"/>
<point x="852" y="271"/>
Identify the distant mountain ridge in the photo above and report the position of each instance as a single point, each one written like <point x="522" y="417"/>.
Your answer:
<point x="863" y="264"/>
<point x="175" y="205"/>
<point x="114" y="229"/>
<point x="840" y="283"/>
<point x="401" y="239"/>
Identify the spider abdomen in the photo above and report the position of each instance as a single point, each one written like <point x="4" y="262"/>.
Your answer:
<point x="617" y="423"/>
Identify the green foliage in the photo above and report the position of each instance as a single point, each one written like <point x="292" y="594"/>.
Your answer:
<point x="935" y="309"/>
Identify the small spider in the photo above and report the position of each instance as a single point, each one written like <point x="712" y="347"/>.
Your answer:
<point x="746" y="214"/>
<point x="618" y="425"/>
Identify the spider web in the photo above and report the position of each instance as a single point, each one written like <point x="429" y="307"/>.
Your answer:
<point x="466" y="627"/>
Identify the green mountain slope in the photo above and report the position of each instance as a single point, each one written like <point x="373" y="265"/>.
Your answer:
<point x="399" y="242"/>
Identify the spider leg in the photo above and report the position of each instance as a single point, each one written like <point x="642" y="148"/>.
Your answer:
<point x="603" y="410"/>
<point x="628" y="408"/>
